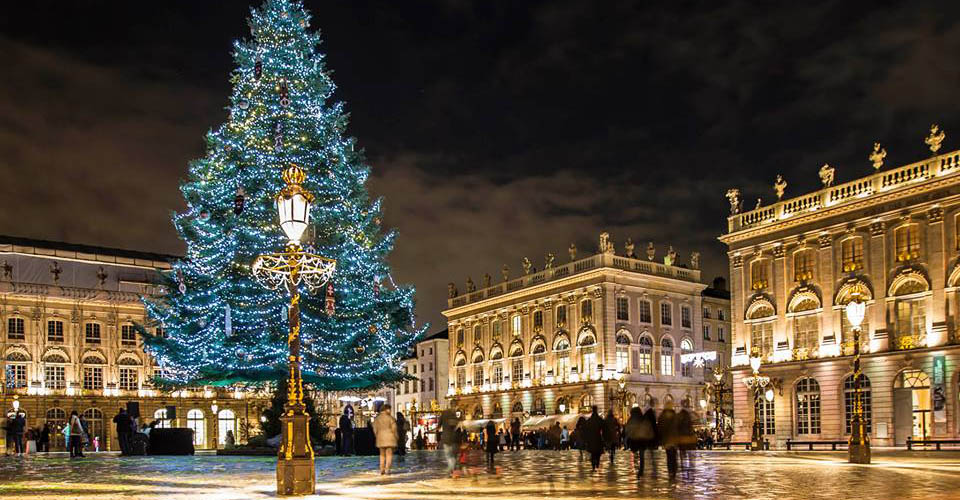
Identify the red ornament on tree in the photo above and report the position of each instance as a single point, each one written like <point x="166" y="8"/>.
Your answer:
<point x="330" y="300"/>
<point x="376" y="289"/>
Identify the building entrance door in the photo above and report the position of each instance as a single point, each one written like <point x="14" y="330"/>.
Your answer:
<point x="911" y="406"/>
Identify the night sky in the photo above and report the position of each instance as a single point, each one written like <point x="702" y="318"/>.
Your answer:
<point x="496" y="130"/>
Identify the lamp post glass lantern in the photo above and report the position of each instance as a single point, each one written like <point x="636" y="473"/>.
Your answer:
<point x="859" y="445"/>
<point x="287" y="271"/>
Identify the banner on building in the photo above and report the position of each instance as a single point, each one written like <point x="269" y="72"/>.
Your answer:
<point x="939" y="390"/>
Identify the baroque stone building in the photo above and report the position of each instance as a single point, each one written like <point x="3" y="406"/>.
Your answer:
<point x="793" y="267"/>
<point x="68" y="343"/>
<point x="546" y="346"/>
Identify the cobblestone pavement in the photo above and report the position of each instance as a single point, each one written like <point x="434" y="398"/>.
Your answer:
<point x="528" y="474"/>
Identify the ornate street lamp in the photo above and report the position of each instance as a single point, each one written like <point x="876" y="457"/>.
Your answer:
<point x="762" y="387"/>
<point x="859" y="445"/>
<point x="287" y="270"/>
<point x="716" y="391"/>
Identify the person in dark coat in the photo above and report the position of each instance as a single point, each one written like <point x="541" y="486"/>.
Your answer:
<point x="346" y="430"/>
<point x="593" y="438"/>
<point x="19" y="428"/>
<point x="124" y="429"/>
<point x="491" y="441"/>
<point x="669" y="436"/>
<point x="611" y="434"/>
<point x="641" y="434"/>
<point x="43" y="444"/>
<point x="686" y="436"/>
<point x="515" y="434"/>
<point x="402" y="428"/>
<point x="578" y="435"/>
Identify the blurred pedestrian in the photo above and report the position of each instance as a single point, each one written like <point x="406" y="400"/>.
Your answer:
<point x="491" y="441"/>
<point x="640" y="432"/>
<point x="593" y="437"/>
<point x="19" y="428"/>
<point x="124" y="430"/>
<point x="43" y="444"/>
<point x="385" y="431"/>
<point x="448" y="437"/>
<point x="564" y="438"/>
<point x="668" y="432"/>
<point x="686" y="436"/>
<point x="515" y="434"/>
<point x="611" y="434"/>
<point x="346" y="430"/>
<point x="578" y="435"/>
<point x="402" y="428"/>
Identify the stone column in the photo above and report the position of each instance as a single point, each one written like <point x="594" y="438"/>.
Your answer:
<point x="936" y="260"/>
<point x="876" y="270"/>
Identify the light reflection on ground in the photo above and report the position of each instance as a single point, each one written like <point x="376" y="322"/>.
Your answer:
<point x="527" y="474"/>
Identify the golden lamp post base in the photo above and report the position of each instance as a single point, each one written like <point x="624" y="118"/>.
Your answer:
<point x="859" y="447"/>
<point x="296" y="474"/>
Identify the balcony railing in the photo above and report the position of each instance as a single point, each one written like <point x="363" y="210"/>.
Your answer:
<point x="880" y="182"/>
<point x="576" y="267"/>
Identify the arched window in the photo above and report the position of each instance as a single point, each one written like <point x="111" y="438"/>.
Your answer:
<point x="517" y="407"/>
<point x="623" y="351"/>
<point x="808" y="406"/>
<point x="57" y="418"/>
<point x="586" y="403"/>
<point x="497" y="411"/>
<point x="561" y="342"/>
<point x="516" y="349"/>
<point x="226" y="422"/>
<point x="161" y="417"/>
<point x="478" y="412"/>
<point x="761" y="338"/>
<point x="460" y="360"/>
<point x="196" y="421"/>
<point x="849" y="401"/>
<point x="803" y="265"/>
<point x="666" y="356"/>
<point x="645" y="360"/>
<point x="763" y="412"/>
<point x="588" y="353"/>
<point x="477" y="356"/>
<point x="539" y="407"/>
<point x="94" y="418"/>
<point x="686" y="369"/>
<point x="496" y="352"/>
<point x="539" y="351"/>
<point x="907" y="242"/>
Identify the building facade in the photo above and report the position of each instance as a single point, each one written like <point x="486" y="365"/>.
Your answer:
<point x="793" y="267"/>
<point x="69" y="343"/>
<point x="426" y="391"/>
<point x="548" y="345"/>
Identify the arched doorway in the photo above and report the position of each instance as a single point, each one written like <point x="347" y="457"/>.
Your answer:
<point x="161" y="418"/>
<point x="226" y="422"/>
<point x="911" y="406"/>
<point x="94" y="418"/>
<point x="57" y="418"/>
<point x="196" y="422"/>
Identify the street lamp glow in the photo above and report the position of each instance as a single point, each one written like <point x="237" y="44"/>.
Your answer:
<point x="755" y="363"/>
<point x="703" y="404"/>
<point x="856" y="309"/>
<point x="16" y="403"/>
<point x="769" y="394"/>
<point x="293" y="204"/>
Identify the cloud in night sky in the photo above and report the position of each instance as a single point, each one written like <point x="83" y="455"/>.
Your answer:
<point x="496" y="130"/>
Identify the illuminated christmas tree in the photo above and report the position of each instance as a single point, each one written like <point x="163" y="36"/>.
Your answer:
<point x="220" y="326"/>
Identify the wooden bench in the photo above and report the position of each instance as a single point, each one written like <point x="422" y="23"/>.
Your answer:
<point x="810" y="444"/>
<point x="928" y="442"/>
<point x="746" y="444"/>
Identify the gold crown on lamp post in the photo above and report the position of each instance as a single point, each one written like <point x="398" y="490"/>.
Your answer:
<point x="294" y="177"/>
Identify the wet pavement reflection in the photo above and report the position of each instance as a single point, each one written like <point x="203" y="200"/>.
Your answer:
<point x="523" y="474"/>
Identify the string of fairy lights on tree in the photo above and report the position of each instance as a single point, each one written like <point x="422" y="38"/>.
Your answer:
<point x="221" y="327"/>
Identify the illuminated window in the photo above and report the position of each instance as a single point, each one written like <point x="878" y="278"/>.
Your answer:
<point x="686" y="369"/>
<point x="517" y="325"/>
<point x="758" y="274"/>
<point x="808" y="406"/>
<point x="561" y="316"/>
<point x="763" y="412"/>
<point x="160" y="416"/>
<point x="54" y="331"/>
<point x="623" y="309"/>
<point x="477" y="375"/>
<point x="645" y="313"/>
<point x="851" y="254"/>
<point x="911" y="321"/>
<point x="497" y="373"/>
<point x="803" y="265"/>
<point x="461" y="379"/>
<point x="589" y="364"/>
<point x="761" y="337"/>
<point x="129" y="379"/>
<point x="666" y="357"/>
<point x="92" y="377"/>
<point x="806" y="332"/>
<point x="537" y="321"/>
<point x="16" y="375"/>
<point x="623" y="353"/>
<point x="55" y="377"/>
<point x="907" y="242"/>
<point x="586" y="310"/>
<point x="539" y="367"/>
<point x="646" y="355"/>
